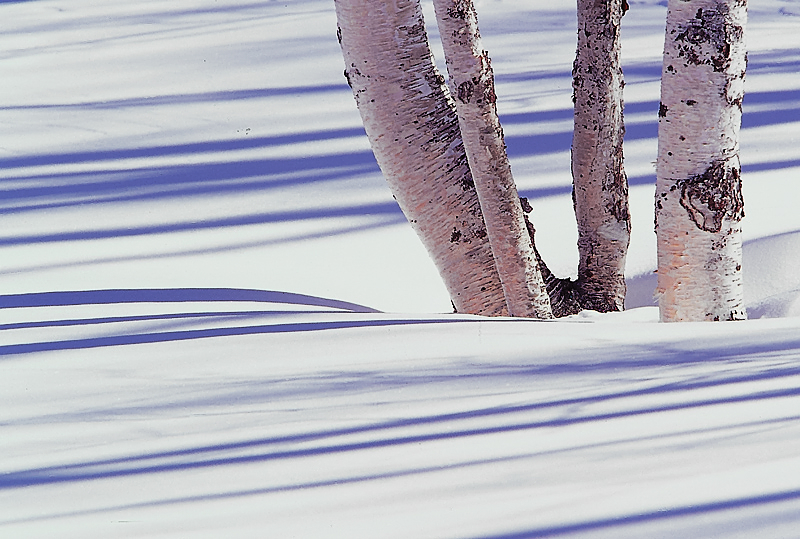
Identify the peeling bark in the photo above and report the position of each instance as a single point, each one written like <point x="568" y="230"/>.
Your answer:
<point x="411" y="123"/>
<point x="472" y="81"/>
<point x="699" y="203"/>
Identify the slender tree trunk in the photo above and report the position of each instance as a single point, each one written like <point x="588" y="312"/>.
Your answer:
<point x="472" y="83"/>
<point x="600" y="186"/>
<point x="699" y="202"/>
<point x="411" y="123"/>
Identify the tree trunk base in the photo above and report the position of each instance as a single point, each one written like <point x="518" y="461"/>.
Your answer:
<point x="567" y="296"/>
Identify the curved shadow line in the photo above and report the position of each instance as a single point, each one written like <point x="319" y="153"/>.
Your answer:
<point x="171" y="295"/>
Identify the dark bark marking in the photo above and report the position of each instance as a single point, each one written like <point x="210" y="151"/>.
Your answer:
<point x="712" y="27"/>
<point x="467" y="183"/>
<point x="662" y="110"/>
<point x="712" y="196"/>
<point x="460" y="10"/>
<point x="434" y="79"/>
<point x="415" y="30"/>
<point x="616" y="184"/>
<point x="465" y="91"/>
<point x="455" y="237"/>
<point x="734" y="100"/>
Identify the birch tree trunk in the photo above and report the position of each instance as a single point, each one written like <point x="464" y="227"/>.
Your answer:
<point x="412" y="127"/>
<point x="472" y="83"/>
<point x="600" y="186"/>
<point x="699" y="203"/>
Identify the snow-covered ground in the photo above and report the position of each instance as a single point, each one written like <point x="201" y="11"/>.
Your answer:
<point x="206" y="290"/>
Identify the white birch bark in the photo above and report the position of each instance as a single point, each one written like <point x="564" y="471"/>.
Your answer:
<point x="699" y="202"/>
<point x="472" y="84"/>
<point x="600" y="186"/>
<point x="410" y="121"/>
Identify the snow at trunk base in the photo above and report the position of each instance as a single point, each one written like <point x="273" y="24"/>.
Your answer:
<point x="412" y="127"/>
<point x="699" y="202"/>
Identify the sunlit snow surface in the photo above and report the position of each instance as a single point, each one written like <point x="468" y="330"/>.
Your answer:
<point x="194" y="244"/>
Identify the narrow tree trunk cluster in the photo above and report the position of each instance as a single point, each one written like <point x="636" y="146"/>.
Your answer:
<point x="461" y="198"/>
<point x="444" y="157"/>
<point x="411" y="123"/>
<point x="699" y="203"/>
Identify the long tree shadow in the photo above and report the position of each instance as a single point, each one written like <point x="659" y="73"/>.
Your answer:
<point x="388" y="213"/>
<point x="436" y="469"/>
<point x="760" y="108"/>
<point x="392" y="217"/>
<point x="155" y="183"/>
<point x="410" y="430"/>
<point x="66" y="189"/>
<point x="770" y="108"/>
<point x="226" y="454"/>
<point x="179" y="99"/>
<point x="186" y="335"/>
<point x="83" y="178"/>
<point x="620" y="522"/>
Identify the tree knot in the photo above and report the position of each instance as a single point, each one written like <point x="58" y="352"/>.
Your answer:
<point x="714" y="195"/>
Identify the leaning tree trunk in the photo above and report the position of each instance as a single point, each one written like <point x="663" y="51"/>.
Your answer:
<point x="472" y="83"/>
<point x="411" y="124"/>
<point x="699" y="203"/>
<point x="600" y="186"/>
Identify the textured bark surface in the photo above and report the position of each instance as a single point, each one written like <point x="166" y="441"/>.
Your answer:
<point x="699" y="203"/>
<point x="411" y="123"/>
<point x="600" y="186"/>
<point x="472" y="83"/>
